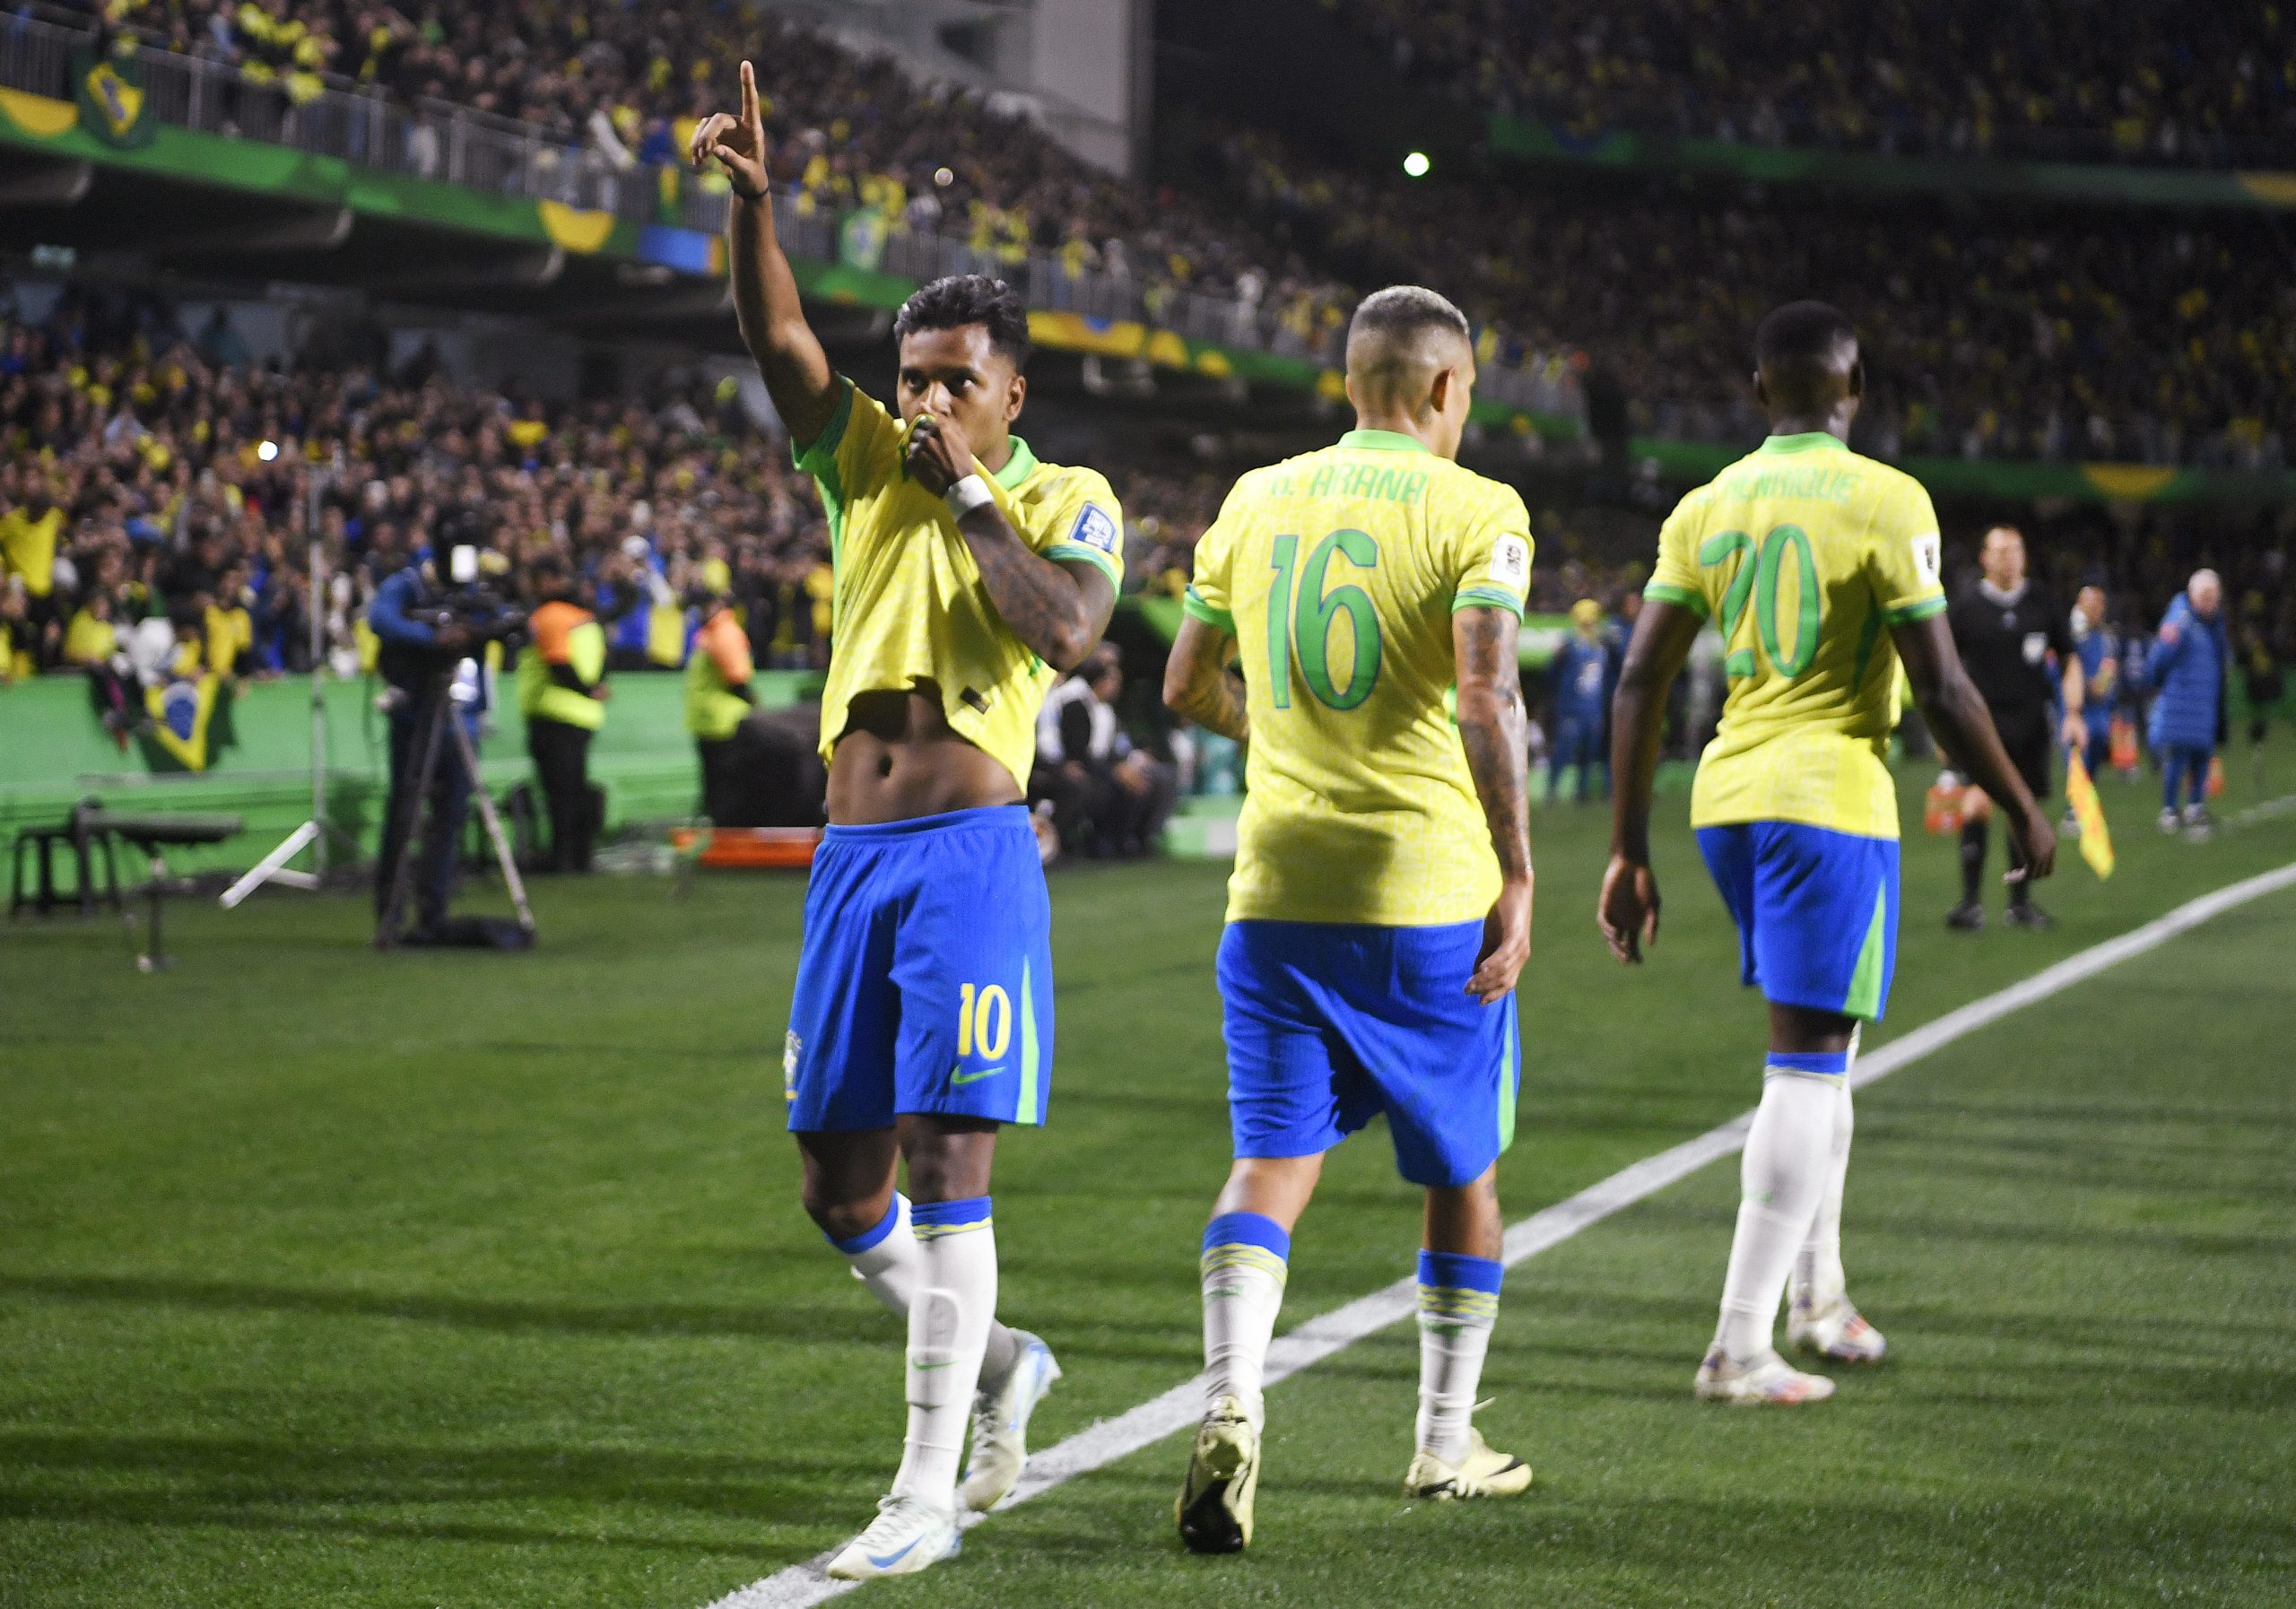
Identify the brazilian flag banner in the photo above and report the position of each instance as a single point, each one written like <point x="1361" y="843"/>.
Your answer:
<point x="112" y="103"/>
<point x="191" y="722"/>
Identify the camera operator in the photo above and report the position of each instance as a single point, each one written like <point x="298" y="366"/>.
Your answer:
<point x="561" y="693"/>
<point x="427" y="638"/>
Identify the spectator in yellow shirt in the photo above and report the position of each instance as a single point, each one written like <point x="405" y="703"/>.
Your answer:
<point x="29" y="533"/>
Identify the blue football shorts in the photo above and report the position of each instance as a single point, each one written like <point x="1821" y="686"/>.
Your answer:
<point x="1330" y="1023"/>
<point x="1817" y="912"/>
<point x="925" y="983"/>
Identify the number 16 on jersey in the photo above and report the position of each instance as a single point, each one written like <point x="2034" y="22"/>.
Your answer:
<point x="1301" y="611"/>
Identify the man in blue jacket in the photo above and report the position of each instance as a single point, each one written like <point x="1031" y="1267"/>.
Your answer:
<point x="2186" y="670"/>
<point x="1582" y="687"/>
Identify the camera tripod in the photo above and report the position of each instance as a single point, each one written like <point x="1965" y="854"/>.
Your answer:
<point x="440" y="727"/>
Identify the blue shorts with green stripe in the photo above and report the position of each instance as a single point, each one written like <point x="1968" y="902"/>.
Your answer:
<point x="1817" y="912"/>
<point x="1329" y="1024"/>
<point x="924" y="983"/>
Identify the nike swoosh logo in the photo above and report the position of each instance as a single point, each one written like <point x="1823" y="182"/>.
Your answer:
<point x="944" y="1364"/>
<point x="957" y="1077"/>
<point x="891" y="1559"/>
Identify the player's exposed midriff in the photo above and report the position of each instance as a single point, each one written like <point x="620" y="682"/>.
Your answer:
<point x="898" y="759"/>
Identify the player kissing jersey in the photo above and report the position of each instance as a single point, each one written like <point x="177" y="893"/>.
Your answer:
<point x="1337" y="572"/>
<point x="1808" y="554"/>
<point x="926" y="980"/>
<point x="910" y="606"/>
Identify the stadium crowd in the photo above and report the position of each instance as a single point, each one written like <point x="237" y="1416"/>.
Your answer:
<point x="2157" y="81"/>
<point x="153" y="472"/>
<point x="599" y="81"/>
<point x="154" y="512"/>
<point x="1985" y="338"/>
<point x="2001" y="337"/>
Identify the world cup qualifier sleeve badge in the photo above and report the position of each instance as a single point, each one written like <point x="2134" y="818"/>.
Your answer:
<point x="1095" y="528"/>
<point x="791" y="1047"/>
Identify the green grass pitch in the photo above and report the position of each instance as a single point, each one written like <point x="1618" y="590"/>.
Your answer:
<point x="335" y="1279"/>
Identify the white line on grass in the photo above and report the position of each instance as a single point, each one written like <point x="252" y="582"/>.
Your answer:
<point x="2263" y="812"/>
<point x="802" y="1585"/>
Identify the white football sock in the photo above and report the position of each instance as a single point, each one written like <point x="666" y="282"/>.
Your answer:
<point x="890" y="1264"/>
<point x="949" y="1317"/>
<point x="888" y="1259"/>
<point x="1243" y="1270"/>
<point x="1458" y="1304"/>
<point x="1783" y="1172"/>
<point x="1818" y="1280"/>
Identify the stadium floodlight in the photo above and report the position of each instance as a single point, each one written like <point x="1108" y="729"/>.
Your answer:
<point x="1416" y="164"/>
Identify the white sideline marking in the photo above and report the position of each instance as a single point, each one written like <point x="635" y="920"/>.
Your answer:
<point x="2263" y="812"/>
<point x="801" y="1585"/>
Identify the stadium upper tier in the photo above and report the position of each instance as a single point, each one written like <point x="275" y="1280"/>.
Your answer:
<point x="2181" y="82"/>
<point x="2004" y="338"/>
<point x="2052" y="337"/>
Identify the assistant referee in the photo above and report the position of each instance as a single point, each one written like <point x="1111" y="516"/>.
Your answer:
<point x="2006" y="628"/>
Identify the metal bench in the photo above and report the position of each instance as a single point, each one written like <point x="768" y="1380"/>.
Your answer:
<point x="154" y="835"/>
<point x="89" y="840"/>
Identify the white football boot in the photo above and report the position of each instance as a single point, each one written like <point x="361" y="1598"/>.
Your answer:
<point x="1768" y="1378"/>
<point x="1837" y="1330"/>
<point x="907" y="1536"/>
<point x="1000" y="1426"/>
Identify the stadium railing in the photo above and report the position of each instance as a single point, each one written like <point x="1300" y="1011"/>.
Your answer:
<point x="460" y="145"/>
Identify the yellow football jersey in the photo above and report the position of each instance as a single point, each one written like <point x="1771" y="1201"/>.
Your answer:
<point x="1809" y="553"/>
<point x="1337" y="573"/>
<point x="908" y="605"/>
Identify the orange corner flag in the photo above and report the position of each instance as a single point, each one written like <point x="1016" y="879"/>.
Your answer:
<point x="2081" y="793"/>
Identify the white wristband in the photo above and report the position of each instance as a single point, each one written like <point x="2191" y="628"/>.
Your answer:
<point x="967" y="495"/>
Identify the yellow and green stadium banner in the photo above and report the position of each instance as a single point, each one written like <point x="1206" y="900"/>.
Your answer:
<point x="2100" y="183"/>
<point x="144" y="146"/>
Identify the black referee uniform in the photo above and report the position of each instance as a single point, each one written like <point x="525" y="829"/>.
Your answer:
<point x="2007" y="639"/>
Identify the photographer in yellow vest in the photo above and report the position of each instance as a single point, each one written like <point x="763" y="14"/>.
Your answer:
<point x="561" y="693"/>
<point x="717" y="700"/>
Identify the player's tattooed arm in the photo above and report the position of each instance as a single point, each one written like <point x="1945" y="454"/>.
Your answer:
<point x="1494" y="731"/>
<point x="1058" y="610"/>
<point x="1196" y="682"/>
<point x="789" y="357"/>
<point x="1627" y="909"/>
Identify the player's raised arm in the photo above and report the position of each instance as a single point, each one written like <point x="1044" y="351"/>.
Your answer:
<point x="1495" y="733"/>
<point x="1196" y="682"/>
<point x="1628" y="908"/>
<point x="789" y="357"/>
<point x="1956" y="713"/>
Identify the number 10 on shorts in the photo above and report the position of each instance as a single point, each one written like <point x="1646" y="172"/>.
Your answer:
<point x="984" y="1021"/>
